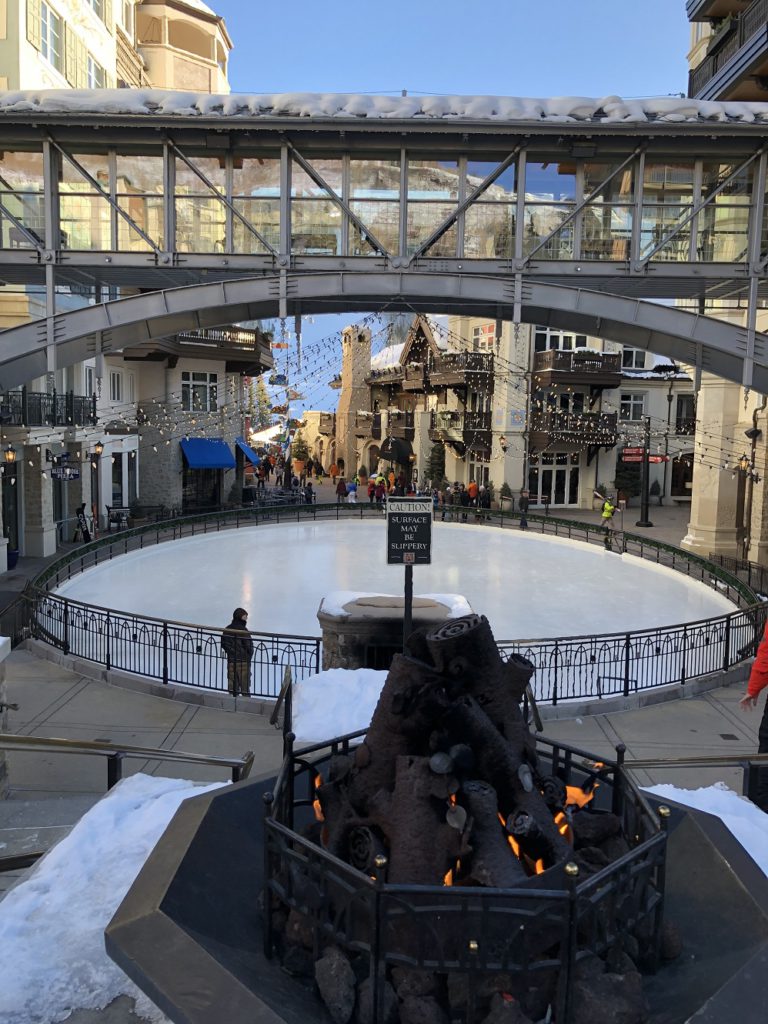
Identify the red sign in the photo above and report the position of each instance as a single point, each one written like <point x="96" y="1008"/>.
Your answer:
<point x="658" y="458"/>
<point x="631" y="458"/>
<point x="634" y="451"/>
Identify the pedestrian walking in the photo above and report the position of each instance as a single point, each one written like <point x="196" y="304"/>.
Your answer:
<point x="758" y="681"/>
<point x="523" y="505"/>
<point x="341" y="490"/>
<point x="352" y="492"/>
<point x="309" y="494"/>
<point x="237" y="645"/>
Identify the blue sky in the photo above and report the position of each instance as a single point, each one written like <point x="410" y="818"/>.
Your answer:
<point x="596" y="48"/>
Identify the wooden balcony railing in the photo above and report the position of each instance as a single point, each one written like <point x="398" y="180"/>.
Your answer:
<point x="753" y="19"/>
<point x="579" y="428"/>
<point x="582" y="360"/>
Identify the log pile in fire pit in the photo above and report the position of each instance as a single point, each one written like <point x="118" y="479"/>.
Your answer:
<point x="447" y="790"/>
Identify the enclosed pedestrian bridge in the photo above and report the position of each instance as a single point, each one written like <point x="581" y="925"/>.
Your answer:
<point x="131" y="215"/>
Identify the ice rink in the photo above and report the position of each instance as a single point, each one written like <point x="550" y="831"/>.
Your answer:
<point x="529" y="586"/>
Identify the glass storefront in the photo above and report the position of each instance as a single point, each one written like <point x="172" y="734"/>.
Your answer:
<point x="553" y="478"/>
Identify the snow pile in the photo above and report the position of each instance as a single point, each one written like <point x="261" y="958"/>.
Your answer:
<point x="559" y="109"/>
<point x="388" y="356"/>
<point x="335" y="703"/>
<point x="747" y="823"/>
<point x="333" y="603"/>
<point x="52" y="924"/>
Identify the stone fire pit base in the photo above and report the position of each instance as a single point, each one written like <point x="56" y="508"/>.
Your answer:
<point x="188" y="932"/>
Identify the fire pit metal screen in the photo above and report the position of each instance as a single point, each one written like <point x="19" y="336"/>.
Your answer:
<point x="466" y="933"/>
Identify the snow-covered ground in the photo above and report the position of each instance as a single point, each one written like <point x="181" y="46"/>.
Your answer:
<point x="529" y="586"/>
<point x="52" y="924"/>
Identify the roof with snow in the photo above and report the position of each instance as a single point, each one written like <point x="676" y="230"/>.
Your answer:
<point x="563" y="109"/>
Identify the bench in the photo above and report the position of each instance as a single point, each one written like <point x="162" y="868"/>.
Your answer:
<point x="117" y="517"/>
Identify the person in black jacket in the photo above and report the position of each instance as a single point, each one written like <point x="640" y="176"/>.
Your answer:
<point x="237" y="644"/>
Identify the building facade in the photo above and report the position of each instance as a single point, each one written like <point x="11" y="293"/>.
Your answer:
<point x="107" y="432"/>
<point x="546" y="410"/>
<point x="728" y="60"/>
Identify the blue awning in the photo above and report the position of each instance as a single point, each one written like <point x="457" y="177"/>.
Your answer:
<point x="207" y="453"/>
<point x="247" y="451"/>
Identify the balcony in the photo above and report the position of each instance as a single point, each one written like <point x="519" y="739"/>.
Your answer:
<point x="242" y="350"/>
<point x="738" y="55"/>
<point x="465" y="428"/>
<point x="685" y="425"/>
<point x="701" y="10"/>
<point x="585" y="430"/>
<point x="368" y="424"/>
<point x="39" y="409"/>
<point x="414" y="377"/>
<point x="400" y="424"/>
<point x="473" y="370"/>
<point x="583" y="367"/>
<point x="327" y="424"/>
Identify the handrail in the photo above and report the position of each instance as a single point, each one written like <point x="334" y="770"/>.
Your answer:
<point x="241" y="766"/>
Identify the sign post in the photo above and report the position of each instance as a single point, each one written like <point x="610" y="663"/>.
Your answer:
<point x="409" y="543"/>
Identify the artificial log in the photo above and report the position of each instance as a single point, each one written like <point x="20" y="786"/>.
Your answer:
<point x="465" y="652"/>
<point x="503" y="765"/>
<point x="422" y="845"/>
<point x="412" y="698"/>
<point x="492" y="861"/>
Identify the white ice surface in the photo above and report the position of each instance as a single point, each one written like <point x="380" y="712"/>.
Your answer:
<point x="529" y="586"/>
<point x="52" y="924"/>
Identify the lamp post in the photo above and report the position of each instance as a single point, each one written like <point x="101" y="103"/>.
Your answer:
<point x="9" y="455"/>
<point x="644" y="481"/>
<point x="98" y="451"/>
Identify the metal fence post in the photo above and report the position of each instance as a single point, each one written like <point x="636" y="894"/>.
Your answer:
<point x="727" y="644"/>
<point x="627" y="649"/>
<point x="165" y="653"/>
<point x="114" y="769"/>
<point x="108" y="639"/>
<point x="66" y="626"/>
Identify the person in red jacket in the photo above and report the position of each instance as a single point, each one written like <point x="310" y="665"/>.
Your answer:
<point x="758" y="680"/>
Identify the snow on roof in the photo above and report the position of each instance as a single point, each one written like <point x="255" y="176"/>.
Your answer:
<point x="198" y="5"/>
<point x="559" y="109"/>
<point x="388" y="356"/>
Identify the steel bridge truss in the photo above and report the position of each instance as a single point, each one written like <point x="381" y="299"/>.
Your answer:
<point x="489" y="213"/>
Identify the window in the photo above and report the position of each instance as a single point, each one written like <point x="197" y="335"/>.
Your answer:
<point x="685" y="415"/>
<point x="199" y="391"/>
<point x="479" y="469"/>
<point x="97" y="76"/>
<point x="545" y="338"/>
<point x="115" y="386"/>
<point x="90" y="380"/>
<point x="126" y="16"/>
<point x="633" y="358"/>
<point x="97" y="7"/>
<point x="632" y="407"/>
<point x="50" y="37"/>
<point x="483" y="338"/>
<point x="129" y="388"/>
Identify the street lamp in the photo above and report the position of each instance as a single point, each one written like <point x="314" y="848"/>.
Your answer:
<point x="744" y="463"/>
<point x="98" y="449"/>
<point x="9" y="455"/>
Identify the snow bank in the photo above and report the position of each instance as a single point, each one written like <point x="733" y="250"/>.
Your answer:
<point x="558" y="109"/>
<point x="335" y="703"/>
<point x="52" y="924"/>
<point x="334" y="601"/>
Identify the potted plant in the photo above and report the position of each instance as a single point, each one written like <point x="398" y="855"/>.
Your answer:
<point x="299" y="453"/>
<point x="655" y="491"/>
<point x="627" y="481"/>
<point x="505" y="493"/>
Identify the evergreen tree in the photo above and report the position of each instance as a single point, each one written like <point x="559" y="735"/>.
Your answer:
<point x="261" y="411"/>
<point x="436" y="464"/>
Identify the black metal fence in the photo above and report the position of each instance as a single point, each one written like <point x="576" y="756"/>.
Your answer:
<point x="467" y="933"/>
<point x="566" y="668"/>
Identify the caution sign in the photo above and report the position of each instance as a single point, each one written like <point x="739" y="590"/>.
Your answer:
<point x="409" y="531"/>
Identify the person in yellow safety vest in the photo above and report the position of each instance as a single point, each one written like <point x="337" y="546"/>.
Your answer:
<point x="607" y="513"/>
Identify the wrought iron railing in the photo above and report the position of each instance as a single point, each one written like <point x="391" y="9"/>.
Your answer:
<point x="567" y="668"/>
<point x="24" y="408"/>
<point x="748" y="23"/>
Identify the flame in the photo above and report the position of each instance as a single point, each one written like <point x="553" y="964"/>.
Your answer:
<point x="448" y="879"/>
<point x="576" y="797"/>
<point x="563" y="827"/>
<point x="316" y="806"/>
<point x="538" y="867"/>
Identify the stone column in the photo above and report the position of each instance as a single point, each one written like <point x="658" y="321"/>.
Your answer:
<point x="39" y="527"/>
<point x="717" y="502"/>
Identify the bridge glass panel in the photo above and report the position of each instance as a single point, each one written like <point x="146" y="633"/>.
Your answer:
<point x="606" y="221"/>
<point x="375" y="198"/>
<point x="489" y="223"/>
<point x="201" y="217"/>
<point x="667" y="200"/>
<point x="433" y="194"/>
<point x="316" y="221"/>
<point x="21" y="193"/>
<point x="139" y="192"/>
<point x="550" y="189"/>
<point x="85" y="216"/>
<point x="723" y="227"/>
<point x="256" y="195"/>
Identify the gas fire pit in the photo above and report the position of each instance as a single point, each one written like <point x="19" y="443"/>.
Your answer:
<point x="443" y="866"/>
